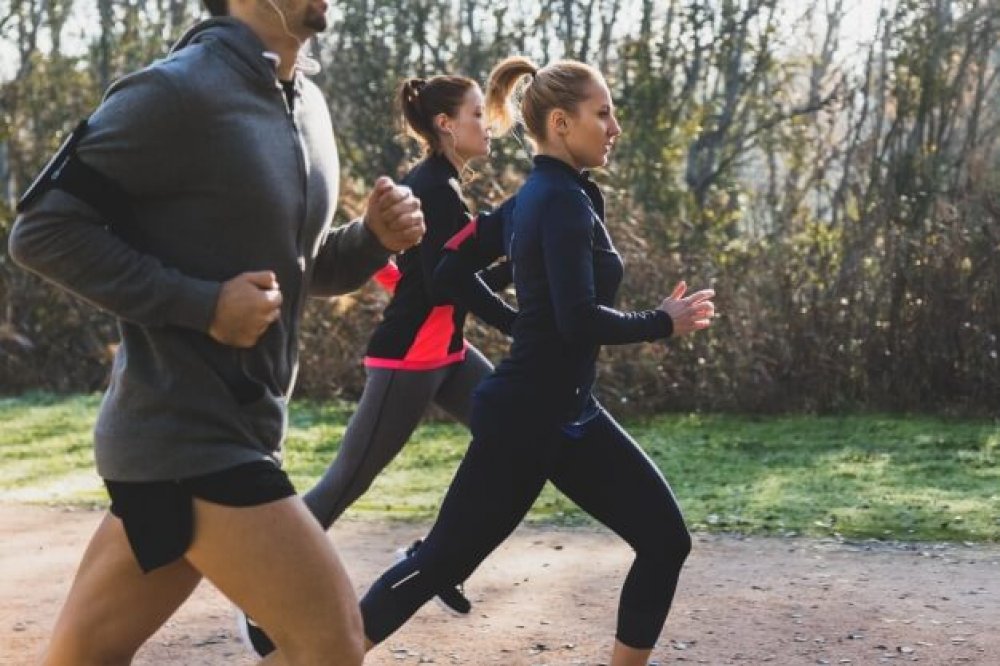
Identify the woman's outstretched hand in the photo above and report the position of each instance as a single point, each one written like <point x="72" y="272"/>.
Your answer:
<point x="689" y="313"/>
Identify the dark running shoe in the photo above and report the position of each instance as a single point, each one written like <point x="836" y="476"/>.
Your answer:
<point x="451" y="599"/>
<point x="252" y="636"/>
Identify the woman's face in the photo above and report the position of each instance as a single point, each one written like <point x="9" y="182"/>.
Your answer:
<point x="470" y="135"/>
<point x="591" y="132"/>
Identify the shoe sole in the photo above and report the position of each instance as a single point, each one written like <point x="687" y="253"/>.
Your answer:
<point x="400" y="556"/>
<point x="241" y="631"/>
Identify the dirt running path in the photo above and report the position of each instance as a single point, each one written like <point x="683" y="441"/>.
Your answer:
<point x="548" y="597"/>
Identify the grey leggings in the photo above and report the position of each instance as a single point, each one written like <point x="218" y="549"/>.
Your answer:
<point x="391" y="406"/>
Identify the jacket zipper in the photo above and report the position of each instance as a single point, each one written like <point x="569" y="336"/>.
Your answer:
<point x="304" y="210"/>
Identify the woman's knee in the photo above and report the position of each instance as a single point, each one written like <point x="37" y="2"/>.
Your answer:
<point x="669" y="545"/>
<point x="682" y="545"/>
<point x="346" y="481"/>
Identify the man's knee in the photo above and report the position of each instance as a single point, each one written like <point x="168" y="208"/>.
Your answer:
<point x="340" y="644"/>
<point x="82" y="647"/>
<point x="348" y="655"/>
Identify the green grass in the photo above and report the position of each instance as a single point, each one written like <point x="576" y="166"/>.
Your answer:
<point x="892" y="477"/>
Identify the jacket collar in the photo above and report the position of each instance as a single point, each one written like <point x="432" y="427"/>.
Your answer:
<point x="547" y="164"/>
<point x="239" y="45"/>
<point x="439" y="164"/>
<point x="554" y="164"/>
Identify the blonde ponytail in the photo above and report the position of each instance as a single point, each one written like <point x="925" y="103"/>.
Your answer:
<point x="500" y="109"/>
<point x="561" y="85"/>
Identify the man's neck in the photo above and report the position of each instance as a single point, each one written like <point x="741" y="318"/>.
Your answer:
<point x="267" y="26"/>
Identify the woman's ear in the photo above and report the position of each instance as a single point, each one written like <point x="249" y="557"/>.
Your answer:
<point x="558" y="121"/>
<point x="443" y="123"/>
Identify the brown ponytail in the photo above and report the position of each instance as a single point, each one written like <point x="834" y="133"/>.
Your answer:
<point x="421" y="100"/>
<point x="561" y="85"/>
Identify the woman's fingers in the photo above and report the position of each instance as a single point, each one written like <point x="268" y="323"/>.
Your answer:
<point x="705" y="310"/>
<point x="691" y="313"/>
<point x="700" y="296"/>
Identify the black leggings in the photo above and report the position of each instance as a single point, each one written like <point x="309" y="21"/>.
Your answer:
<point x="511" y="456"/>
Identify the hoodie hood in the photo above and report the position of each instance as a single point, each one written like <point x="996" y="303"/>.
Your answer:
<point x="237" y="43"/>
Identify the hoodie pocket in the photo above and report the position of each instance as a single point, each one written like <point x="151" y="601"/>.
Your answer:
<point x="267" y="419"/>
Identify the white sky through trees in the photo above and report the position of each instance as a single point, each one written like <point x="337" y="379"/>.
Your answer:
<point x="858" y="26"/>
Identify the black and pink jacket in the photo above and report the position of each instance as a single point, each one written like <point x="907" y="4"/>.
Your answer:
<point x="420" y="330"/>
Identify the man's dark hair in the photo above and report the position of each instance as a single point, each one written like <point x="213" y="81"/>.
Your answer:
<point x="216" y="7"/>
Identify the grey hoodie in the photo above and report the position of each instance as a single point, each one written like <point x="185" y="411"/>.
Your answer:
<point x="223" y="179"/>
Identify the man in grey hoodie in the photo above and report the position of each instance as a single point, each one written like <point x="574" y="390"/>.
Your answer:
<point x="227" y="156"/>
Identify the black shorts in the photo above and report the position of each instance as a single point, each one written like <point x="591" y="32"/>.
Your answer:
<point x="159" y="515"/>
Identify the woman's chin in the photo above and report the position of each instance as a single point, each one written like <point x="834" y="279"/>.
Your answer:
<point x="601" y="161"/>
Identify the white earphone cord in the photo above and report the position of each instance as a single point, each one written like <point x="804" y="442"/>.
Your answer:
<point x="305" y="63"/>
<point x="284" y="22"/>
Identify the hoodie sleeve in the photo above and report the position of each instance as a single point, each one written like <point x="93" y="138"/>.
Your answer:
<point x="68" y="242"/>
<point x="349" y="256"/>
